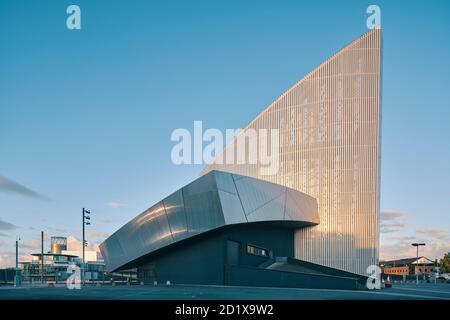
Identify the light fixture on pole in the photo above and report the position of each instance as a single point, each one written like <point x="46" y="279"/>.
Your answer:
<point x="17" y="276"/>
<point x="42" y="257"/>
<point x="417" y="245"/>
<point x="86" y="222"/>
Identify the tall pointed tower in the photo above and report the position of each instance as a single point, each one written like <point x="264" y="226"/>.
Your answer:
<point x="329" y="124"/>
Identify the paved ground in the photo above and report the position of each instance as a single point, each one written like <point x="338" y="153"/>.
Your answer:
<point x="179" y="292"/>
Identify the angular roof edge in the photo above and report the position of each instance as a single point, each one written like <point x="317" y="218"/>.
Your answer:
<point x="211" y="201"/>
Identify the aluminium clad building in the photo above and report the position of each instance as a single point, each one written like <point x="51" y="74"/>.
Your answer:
<point x="312" y="224"/>
<point x="329" y="125"/>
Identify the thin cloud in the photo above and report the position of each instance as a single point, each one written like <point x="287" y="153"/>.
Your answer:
<point x="389" y="215"/>
<point x="107" y="221"/>
<point x="404" y="249"/>
<point x="391" y="221"/>
<point x="110" y="221"/>
<point x="58" y="229"/>
<point x="30" y="245"/>
<point x="74" y="244"/>
<point x="438" y="234"/>
<point x="115" y="205"/>
<point x="437" y="244"/>
<point x="97" y="234"/>
<point x="391" y="227"/>
<point x="402" y="238"/>
<point x="6" y="225"/>
<point x="8" y="259"/>
<point x="8" y="185"/>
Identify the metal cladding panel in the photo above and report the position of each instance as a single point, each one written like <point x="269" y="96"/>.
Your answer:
<point x="253" y="194"/>
<point x="300" y="205"/>
<point x="271" y="210"/>
<point x="200" y="186"/>
<point x="210" y="202"/>
<point x="176" y="215"/>
<point x="154" y="231"/>
<point x="225" y="182"/>
<point x="229" y="198"/>
<point x="128" y="238"/>
<point x="232" y="208"/>
<point x="112" y="251"/>
<point x="203" y="211"/>
<point x="329" y="125"/>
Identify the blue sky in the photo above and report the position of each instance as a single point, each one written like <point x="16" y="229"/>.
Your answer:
<point x="86" y="115"/>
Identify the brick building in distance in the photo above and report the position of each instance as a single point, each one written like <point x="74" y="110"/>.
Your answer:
<point x="408" y="266"/>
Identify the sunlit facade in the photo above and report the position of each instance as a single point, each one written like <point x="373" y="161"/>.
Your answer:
<point x="329" y="124"/>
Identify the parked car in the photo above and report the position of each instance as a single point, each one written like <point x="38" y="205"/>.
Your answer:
<point x="443" y="276"/>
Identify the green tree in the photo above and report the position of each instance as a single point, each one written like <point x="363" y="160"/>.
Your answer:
<point x="444" y="264"/>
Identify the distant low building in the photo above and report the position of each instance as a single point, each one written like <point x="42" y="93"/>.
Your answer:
<point x="56" y="264"/>
<point x="408" y="266"/>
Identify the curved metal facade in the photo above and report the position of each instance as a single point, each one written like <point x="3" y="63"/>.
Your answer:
<point x="212" y="201"/>
<point x="329" y="124"/>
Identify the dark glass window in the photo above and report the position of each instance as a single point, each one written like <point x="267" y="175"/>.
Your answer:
<point x="258" y="251"/>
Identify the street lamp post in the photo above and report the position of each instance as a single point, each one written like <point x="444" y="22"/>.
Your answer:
<point x="17" y="276"/>
<point x="417" y="245"/>
<point x="42" y="257"/>
<point x="86" y="222"/>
